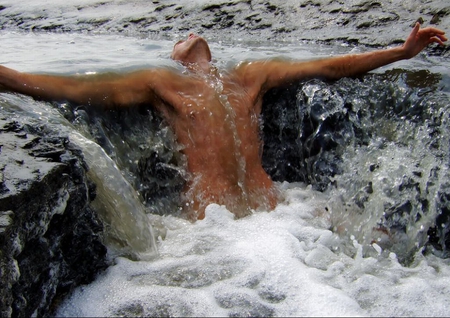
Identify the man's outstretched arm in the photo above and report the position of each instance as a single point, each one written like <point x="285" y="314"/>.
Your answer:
<point x="103" y="90"/>
<point x="276" y="73"/>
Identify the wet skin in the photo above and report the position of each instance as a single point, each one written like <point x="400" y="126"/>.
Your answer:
<point x="214" y="114"/>
<point x="215" y="117"/>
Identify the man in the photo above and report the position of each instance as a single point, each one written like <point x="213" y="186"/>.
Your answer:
<point x="214" y="114"/>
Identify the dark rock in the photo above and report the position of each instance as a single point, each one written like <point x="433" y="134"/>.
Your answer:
<point x="159" y="174"/>
<point x="160" y="182"/>
<point x="439" y="234"/>
<point x="50" y="238"/>
<point x="303" y="136"/>
<point x="308" y="128"/>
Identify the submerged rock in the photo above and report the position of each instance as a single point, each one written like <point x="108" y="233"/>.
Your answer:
<point x="50" y="238"/>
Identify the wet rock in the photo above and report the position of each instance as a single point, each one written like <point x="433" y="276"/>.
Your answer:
<point x="439" y="233"/>
<point x="157" y="171"/>
<point x="50" y="238"/>
<point x="375" y="23"/>
<point x="304" y="133"/>
<point x="310" y="128"/>
<point x="161" y="182"/>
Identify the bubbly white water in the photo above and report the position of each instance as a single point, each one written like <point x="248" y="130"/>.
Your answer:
<point x="283" y="263"/>
<point x="269" y="264"/>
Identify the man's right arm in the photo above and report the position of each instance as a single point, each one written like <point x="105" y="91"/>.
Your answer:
<point x="97" y="90"/>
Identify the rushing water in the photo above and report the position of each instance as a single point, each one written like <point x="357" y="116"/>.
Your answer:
<point x="376" y="147"/>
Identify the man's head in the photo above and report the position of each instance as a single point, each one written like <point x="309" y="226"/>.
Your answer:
<point x="193" y="50"/>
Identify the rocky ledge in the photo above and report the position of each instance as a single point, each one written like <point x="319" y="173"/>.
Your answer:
<point x="368" y="22"/>
<point x="50" y="239"/>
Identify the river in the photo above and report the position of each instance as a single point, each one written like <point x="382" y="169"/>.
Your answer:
<point x="362" y="164"/>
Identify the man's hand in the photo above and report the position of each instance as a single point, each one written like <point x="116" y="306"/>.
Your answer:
<point x="421" y="38"/>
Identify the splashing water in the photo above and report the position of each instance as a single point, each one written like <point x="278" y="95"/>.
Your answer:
<point x="376" y="147"/>
<point x="117" y="204"/>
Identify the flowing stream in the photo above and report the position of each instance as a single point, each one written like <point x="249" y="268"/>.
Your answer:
<point x="377" y="148"/>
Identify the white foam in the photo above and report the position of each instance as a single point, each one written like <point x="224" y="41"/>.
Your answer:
<point x="280" y="263"/>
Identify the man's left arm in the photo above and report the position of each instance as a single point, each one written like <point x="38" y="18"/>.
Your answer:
<point x="275" y="73"/>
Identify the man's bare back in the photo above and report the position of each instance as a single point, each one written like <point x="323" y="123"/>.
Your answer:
<point x="215" y="117"/>
<point x="214" y="114"/>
